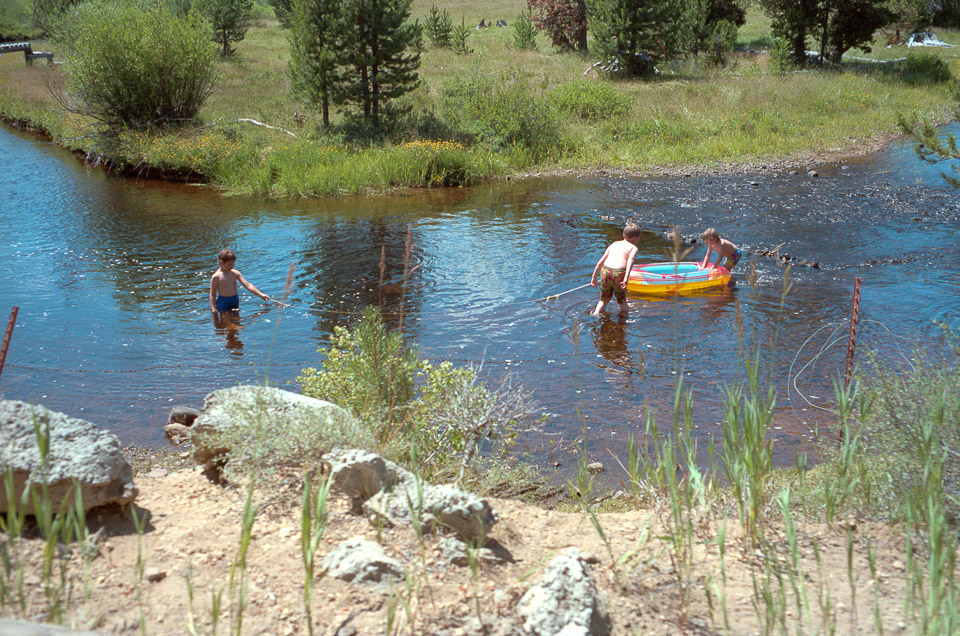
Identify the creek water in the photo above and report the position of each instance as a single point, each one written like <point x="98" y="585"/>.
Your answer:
<point x="111" y="277"/>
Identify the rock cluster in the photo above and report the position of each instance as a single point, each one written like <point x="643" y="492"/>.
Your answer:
<point x="79" y="452"/>
<point x="387" y="493"/>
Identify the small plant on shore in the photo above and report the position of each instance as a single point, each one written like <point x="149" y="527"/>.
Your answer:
<point x="313" y="522"/>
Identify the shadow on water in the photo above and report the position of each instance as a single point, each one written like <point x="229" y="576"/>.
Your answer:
<point x="112" y="278"/>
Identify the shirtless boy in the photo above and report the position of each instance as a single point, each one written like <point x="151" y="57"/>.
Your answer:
<point x="614" y="267"/>
<point x="727" y="253"/>
<point x="223" y="285"/>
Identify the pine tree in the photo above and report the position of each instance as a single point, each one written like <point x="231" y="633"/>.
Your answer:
<point x="636" y="32"/>
<point x="230" y="20"/>
<point x="379" y="51"/>
<point x="315" y="30"/>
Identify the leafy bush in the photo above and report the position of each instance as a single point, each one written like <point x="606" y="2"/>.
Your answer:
<point x="229" y="19"/>
<point x="924" y="68"/>
<point x="369" y="371"/>
<point x="502" y="114"/>
<point x="47" y="14"/>
<point x="283" y="10"/>
<point x="525" y="32"/>
<point x="590" y="101"/>
<point x="781" y="57"/>
<point x="137" y="65"/>
<point x="15" y="21"/>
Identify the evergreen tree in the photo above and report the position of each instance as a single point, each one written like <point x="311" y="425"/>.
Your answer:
<point x="637" y="32"/>
<point x="379" y="52"/>
<point x="315" y="31"/>
<point x="230" y="20"/>
<point x="837" y="25"/>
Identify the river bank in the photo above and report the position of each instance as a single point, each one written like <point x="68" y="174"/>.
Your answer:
<point x="697" y="119"/>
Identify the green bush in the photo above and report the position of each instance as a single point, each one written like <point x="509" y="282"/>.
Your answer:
<point x="525" y="31"/>
<point x="15" y="21"/>
<point x="504" y="114"/>
<point x="439" y="28"/>
<point x="137" y="65"/>
<point x="589" y="100"/>
<point x="924" y="68"/>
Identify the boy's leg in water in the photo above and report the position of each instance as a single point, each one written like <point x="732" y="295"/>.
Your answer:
<point x="601" y="307"/>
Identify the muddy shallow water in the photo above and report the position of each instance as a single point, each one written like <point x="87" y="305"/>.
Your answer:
<point x="111" y="278"/>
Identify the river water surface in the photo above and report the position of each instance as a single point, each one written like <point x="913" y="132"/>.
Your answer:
<point x="111" y="278"/>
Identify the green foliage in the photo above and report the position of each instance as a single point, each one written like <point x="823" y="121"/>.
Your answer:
<point x="229" y="19"/>
<point x="525" y="32"/>
<point x="922" y="68"/>
<point x="723" y="38"/>
<point x="139" y="66"/>
<point x="439" y="28"/>
<point x="946" y="13"/>
<point x="369" y="371"/>
<point x="459" y="38"/>
<point x="283" y="9"/>
<point x="379" y="56"/>
<point x="462" y="412"/>
<point x="15" y="22"/>
<point x="710" y="22"/>
<point x="504" y="114"/>
<point x="781" y="57"/>
<point x="636" y="33"/>
<point x="314" y="44"/>
<point x="564" y="21"/>
<point x="910" y="16"/>
<point x="48" y="14"/>
<point x="590" y="100"/>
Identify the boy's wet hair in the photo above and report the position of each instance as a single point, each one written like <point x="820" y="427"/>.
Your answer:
<point x="710" y="235"/>
<point x="226" y="255"/>
<point x="631" y="230"/>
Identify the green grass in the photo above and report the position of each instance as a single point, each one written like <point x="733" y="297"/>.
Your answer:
<point x="694" y="114"/>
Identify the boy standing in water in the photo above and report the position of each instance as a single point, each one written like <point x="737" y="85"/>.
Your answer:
<point x="223" y="285"/>
<point x="614" y="268"/>
<point x="727" y="253"/>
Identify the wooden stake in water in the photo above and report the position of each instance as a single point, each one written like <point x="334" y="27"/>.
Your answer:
<point x="7" y="335"/>
<point x="852" y="340"/>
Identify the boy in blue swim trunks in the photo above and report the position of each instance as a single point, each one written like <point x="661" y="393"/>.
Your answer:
<point x="223" y="285"/>
<point x="728" y="254"/>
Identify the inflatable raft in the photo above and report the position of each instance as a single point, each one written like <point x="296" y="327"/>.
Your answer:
<point x="675" y="278"/>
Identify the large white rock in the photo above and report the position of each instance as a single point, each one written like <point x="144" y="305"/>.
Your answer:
<point x="565" y="600"/>
<point x="79" y="451"/>
<point x="283" y="412"/>
<point x="360" y="560"/>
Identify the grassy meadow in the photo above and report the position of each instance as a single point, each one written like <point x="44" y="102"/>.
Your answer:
<point x="497" y="111"/>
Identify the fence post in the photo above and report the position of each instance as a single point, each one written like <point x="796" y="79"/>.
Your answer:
<point x="6" y="336"/>
<point x="852" y="340"/>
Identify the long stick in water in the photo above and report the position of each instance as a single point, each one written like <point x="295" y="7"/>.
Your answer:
<point x="561" y="293"/>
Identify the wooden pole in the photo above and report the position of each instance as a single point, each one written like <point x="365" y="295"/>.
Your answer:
<point x="852" y="340"/>
<point x="7" y="335"/>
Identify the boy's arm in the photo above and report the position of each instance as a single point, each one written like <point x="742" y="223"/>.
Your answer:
<point x="213" y="293"/>
<point x="593" y="277"/>
<point x="250" y="288"/>
<point x="630" y="257"/>
<point x="706" y="257"/>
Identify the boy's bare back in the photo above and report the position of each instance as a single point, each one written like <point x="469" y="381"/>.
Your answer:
<point x="618" y="254"/>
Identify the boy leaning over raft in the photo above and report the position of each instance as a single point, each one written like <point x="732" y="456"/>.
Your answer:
<point x="613" y="267"/>
<point x="223" y="285"/>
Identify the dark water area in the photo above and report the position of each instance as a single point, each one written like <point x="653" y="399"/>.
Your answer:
<point x="111" y="277"/>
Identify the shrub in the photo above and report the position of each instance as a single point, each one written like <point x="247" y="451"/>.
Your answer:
<point x="369" y="371"/>
<point x="924" y="68"/>
<point x="502" y="114"/>
<point x="590" y="101"/>
<point x="283" y="9"/>
<point x="459" y="38"/>
<point x="138" y="65"/>
<point x="47" y="14"/>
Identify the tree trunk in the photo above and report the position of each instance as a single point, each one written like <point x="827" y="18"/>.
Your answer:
<point x="582" y="31"/>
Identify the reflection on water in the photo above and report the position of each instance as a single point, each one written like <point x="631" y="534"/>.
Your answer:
<point x="111" y="277"/>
